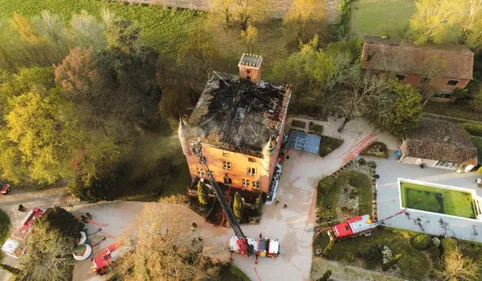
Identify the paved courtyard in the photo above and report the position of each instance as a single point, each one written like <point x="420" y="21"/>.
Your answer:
<point x="436" y="224"/>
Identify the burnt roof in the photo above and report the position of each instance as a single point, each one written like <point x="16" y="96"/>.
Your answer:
<point x="441" y="140"/>
<point x="403" y="57"/>
<point x="237" y="115"/>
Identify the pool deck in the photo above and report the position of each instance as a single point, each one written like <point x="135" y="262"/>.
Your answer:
<point x="388" y="200"/>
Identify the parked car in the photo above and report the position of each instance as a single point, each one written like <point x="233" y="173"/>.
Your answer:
<point x="5" y="188"/>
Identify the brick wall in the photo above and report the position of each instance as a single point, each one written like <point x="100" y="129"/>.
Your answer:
<point x="277" y="7"/>
<point x="435" y="83"/>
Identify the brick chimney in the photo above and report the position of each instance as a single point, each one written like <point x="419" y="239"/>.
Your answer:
<point x="250" y="67"/>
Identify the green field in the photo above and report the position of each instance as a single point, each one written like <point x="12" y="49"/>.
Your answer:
<point x="437" y="200"/>
<point x="162" y="28"/>
<point x="374" y="17"/>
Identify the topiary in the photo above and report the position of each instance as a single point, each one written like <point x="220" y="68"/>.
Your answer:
<point x="238" y="205"/>
<point x="421" y="241"/>
<point x="202" y="193"/>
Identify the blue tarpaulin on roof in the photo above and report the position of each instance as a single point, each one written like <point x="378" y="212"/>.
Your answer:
<point x="305" y="142"/>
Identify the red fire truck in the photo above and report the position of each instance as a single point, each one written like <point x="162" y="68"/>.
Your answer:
<point x="101" y="263"/>
<point x="360" y="225"/>
<point x="262" y="247"/>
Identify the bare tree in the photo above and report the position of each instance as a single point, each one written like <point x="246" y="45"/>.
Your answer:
<point x="356" y="90"/>
<point x="164" y="251"/>
<point x="458" y="267"/>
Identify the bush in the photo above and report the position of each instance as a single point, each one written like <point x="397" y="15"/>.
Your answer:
<point x="473" y="128"/>
<point x="421" y="241"/>
<point x="392" y="262"/>
<point x="174" y="199"/>
<point x="316" y="129"/>
<point x="326" y="183"/>
<point x="202" y="193"/>
<point x="362" y="162"/>
<point x="329" y="144"/>
<point x="448" y="245"/>
<point x="238" y="205"/>
<point x="372" y="164"/>
<point x="102" y="188"/>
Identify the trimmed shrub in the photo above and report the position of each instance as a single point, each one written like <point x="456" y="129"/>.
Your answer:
<point x="238" y="205"/>
<point x="377" y="149"/>
<point x="421" y="241"/>
<point x="316" y="129"/>
<point x="448" y="245"/>
<point x="202" y="193"/>
<point x="372" y="164"/>
<point x="329" y="144"/>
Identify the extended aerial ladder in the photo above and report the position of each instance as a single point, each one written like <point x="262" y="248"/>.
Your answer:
<point x="242" y="241"/>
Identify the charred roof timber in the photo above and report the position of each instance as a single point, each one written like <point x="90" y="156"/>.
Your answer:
<point x="238" y="115"/>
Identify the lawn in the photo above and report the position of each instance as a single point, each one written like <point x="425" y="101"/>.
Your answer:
<point x="380" y="16"/>
<point x="232" y="273"/>
<point x="162" y="28"/>
<point x="350" y="251"/>
<point x="458" y="109"/>
<point x="329" y="191"/>
<point x="437" y="200"/>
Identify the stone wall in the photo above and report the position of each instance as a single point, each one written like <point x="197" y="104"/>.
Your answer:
<point x="278" y="7"/>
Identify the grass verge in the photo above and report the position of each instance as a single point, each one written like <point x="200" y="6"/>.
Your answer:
<point x="329" y="144"/>
<point x="473" y="128"/>
<point x="437" y="200"/>
<point x="458" y="109"/>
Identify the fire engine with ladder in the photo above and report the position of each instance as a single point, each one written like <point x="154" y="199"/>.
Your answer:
<point x="353" y="227"/>
<point x="261" y="247"/>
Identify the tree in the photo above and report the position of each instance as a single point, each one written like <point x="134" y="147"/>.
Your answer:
<point x="458" y="267"/>
<point x="249" y="38"/>
<point x="198" y="54"/>
<point x="396" y="109"/>
<point x="238" y="205"/>
<point x="87" y="32"/>
<point x="355" y="90"/>
<point x="163" y="250"/>
<point x="432" y="20"/>
<point x="202" y="193"/>
<point x="85" y="85"/>
<point x="50" y="246"/>
<point x="470" y="19"/>
<point x="476" y="102"/>
<point x="304" y="15"/>
<point x="240" y="13"/>
<point x="307" y="71"/>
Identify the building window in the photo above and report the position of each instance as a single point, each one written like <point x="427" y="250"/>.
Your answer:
<point x="425" y="80"/>
<point x="200" y="172"/>
<point x="228" y="180"/>
<point x="248" y="71"/>
<point x="251" y="171"/>
<point x="245" y="183"/>
<point x="400" y="77"/>
<point x="251" y="159"/>
<point x="225" y="154"/>
<point x="256" y="184"/>
<point x="452" y="82"/>
<point x="227" y="165"/>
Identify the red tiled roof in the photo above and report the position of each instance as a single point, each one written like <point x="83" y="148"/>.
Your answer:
<point x="403" y="57"/>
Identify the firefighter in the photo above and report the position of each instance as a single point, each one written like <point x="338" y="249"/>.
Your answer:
<point x="193" y="226"/>
<point x="276" y="201"/>
<point x="285" y="206"/>
<point x="21" y="208"/>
